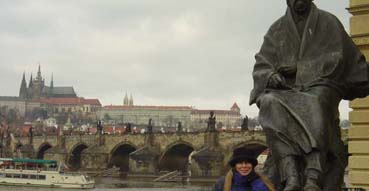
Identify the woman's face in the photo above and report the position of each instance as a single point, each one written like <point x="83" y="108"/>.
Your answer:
<point x="244" y="168"/>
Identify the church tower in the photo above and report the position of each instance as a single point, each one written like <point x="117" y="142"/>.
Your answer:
<point x="125" y="101"/>
<point x="38" y="84"/>
<point x="30" y="85"/>
<point x="131" y="101"/>
<point x="235" y="108"/>
<point x="23" y="88"/>
<point x="51" y="88"/>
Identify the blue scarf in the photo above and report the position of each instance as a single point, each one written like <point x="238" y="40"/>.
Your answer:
<point x="243" y="183"/>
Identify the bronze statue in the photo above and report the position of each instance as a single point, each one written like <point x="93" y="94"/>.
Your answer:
<point x="30" y="132"/>
<point x="179" y="127"/>
<point x="306" y="66"/>
<point x="211" y="123"/>
<point x="149" y="128"/>
<point x="128" y="128"/>
<point x="245" y="124"/>
<point x="99" y="127"/>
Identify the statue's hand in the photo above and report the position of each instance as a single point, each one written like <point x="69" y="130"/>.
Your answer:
<point x="287" y="70"/>
<point x="276" y="81"/>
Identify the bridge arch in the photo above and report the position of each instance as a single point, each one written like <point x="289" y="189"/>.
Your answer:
<point x="74" y="160"/>
<point x="175" y="156"/>
<point x="119" y="155"/>
<point x="42" y="150"/>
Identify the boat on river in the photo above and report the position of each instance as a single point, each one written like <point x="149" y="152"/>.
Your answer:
<point x="41" y="173"/>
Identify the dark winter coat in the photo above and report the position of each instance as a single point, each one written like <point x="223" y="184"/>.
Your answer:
<point x="249" y="183"/>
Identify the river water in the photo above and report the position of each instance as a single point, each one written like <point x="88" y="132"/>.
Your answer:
<point x="114" y="184"/>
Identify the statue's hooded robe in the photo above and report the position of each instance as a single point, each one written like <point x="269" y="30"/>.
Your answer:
<point x="321" y="68"/>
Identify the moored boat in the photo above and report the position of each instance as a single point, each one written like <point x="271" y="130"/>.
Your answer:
<point x="40" y="173"/>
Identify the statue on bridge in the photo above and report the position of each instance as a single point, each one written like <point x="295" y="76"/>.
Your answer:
<point x="245" y="124"/>
<point x="149" y="128"/>
<point x="99" y="127"/>
<point x="30" y="132"/>
<point x="179" y="127"/>
<point x="306" y="66"/>
<point x="128" y="128"/>
<point x="211" y="122"/>
<point x="30" y="135"/>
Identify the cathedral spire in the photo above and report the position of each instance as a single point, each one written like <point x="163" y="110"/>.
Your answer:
<point x="52" y="81"/>
<point x="24" y="78"/>
<point x="30" y="82"/>
<point x="39" y="76"/>
<point x="39" y="70"/>
<point x="51" y="88"/>
<point x="131" y="101"/>
<point x="23" y="87"/>
<point x="125" y="101"/>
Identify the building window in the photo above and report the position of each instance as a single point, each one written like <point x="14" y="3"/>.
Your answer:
<point x="42" y="177"/>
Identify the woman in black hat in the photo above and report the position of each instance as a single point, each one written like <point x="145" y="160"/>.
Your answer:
<point x="242" y="176"/>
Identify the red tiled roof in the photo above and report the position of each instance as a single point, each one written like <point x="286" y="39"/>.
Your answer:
<point x="235" y="106"/>
<point x="69" y="101"/>
<point x="110" y="129"/>
<point x="127" y="107"/>
<point x="92" y="102"/>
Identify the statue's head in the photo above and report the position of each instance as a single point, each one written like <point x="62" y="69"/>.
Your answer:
<point x="300" y="6"/>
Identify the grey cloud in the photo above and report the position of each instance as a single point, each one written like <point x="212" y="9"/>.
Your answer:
<point x="164" y="52"/>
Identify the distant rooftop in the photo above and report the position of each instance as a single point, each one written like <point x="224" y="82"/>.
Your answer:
<point x="60" y="90"/>
<point x="127" y="107"/>
<point x="69" y="101"/>
<point x="10" y="98"/>
<point x="216" y="112"/>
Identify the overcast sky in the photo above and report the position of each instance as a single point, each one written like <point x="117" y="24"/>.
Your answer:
<point x="164" y="52"/>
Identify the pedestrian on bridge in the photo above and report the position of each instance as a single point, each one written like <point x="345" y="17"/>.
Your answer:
<point x="242" y="176"/>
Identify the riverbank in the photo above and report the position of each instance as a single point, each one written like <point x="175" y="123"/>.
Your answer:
<point x="152" y="177"/>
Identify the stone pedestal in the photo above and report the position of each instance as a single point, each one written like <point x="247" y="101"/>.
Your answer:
<point x="27" y="151"/>
<point x="144" y="161"/>
<point x="7" y="153"/>
<point x="211" y="139"/>
<point x="95" y="158"/>
<point x="207" y="162"/>
<point x="149" y="139"/>
<point x="57" y="153"/>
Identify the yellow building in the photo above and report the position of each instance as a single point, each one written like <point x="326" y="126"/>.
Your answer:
<point x="227" y="118"/>
<point x="359" y="117"/>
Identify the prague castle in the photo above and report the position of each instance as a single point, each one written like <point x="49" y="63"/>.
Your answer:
<point x="54" y="100"/>
<point x="37" y="89"/>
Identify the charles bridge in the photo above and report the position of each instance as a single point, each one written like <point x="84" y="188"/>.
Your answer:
<point x="204" y="153"/>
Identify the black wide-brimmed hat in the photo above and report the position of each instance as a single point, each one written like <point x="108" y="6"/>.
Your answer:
<point x="242" y="156"/>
